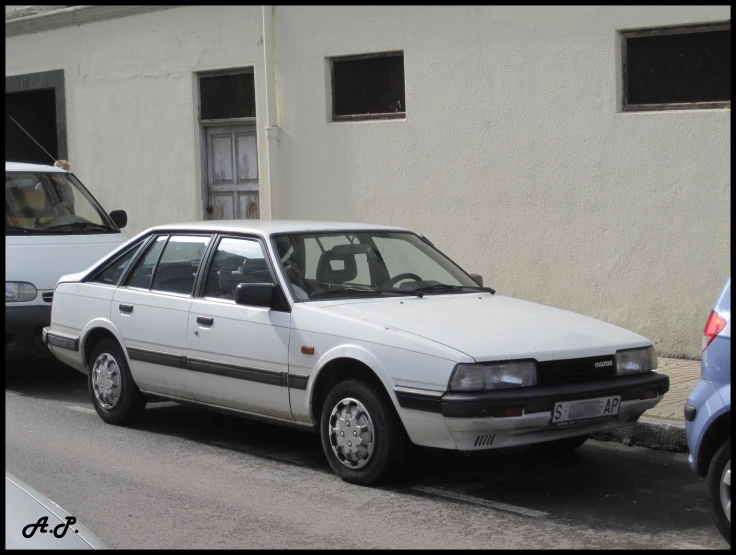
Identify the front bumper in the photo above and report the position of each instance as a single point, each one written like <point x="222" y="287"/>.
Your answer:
<point x="472" y="424"/>
<point x="23" y="329"/>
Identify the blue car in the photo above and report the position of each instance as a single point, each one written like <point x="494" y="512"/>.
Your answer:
<point x="708" y="413"/>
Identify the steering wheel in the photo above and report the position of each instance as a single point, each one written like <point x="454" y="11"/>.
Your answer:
<point x="407" y="275"/>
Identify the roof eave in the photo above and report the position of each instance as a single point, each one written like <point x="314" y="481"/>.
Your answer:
<point x="75" y="15"/>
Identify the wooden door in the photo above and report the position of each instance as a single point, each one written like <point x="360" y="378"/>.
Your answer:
<point x="232" y="173"/>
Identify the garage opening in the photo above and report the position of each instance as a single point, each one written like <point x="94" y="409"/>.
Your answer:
<point x="35" y="111"/>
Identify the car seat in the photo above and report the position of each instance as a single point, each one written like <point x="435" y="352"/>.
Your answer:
<point x="336" y="268"/>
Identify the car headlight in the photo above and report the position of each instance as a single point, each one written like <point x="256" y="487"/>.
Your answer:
<point x="19" y="292"/>
<point x="632" y="361"/>
<point x="493" y="375"/>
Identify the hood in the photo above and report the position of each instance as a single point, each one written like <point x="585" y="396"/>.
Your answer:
<point x="42" y="260"/>
<point x="494" y="327"/>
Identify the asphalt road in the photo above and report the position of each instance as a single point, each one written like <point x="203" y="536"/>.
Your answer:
<point x="188" y="478"/>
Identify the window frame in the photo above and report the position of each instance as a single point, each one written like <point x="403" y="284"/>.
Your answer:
<point x="661" y="31"/>
<point x="364" y="117"/>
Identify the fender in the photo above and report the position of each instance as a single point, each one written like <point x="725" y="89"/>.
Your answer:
<point x="358" y="353"/>
<point x="109" y="326"/>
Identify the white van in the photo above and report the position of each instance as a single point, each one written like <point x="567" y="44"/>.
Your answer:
<point x="53" y="226"/>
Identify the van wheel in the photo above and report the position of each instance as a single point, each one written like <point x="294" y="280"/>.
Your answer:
<point x="719" y="489"/>
<point x="114" y="394"/>
<point x="362" y="435"/>
<point x="561" y="446"/>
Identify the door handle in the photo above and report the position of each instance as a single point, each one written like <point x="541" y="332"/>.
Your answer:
<point x="205" y="320"/>
<point x="126" y="308"/>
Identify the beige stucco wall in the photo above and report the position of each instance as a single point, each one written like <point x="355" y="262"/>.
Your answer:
<point x="131" y="105"/>
<point x="514" y="158"/>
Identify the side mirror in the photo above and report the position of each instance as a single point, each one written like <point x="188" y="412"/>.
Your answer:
<point x="119" y="218"/>
<point x="477" y="278"/>
<point x="255" y="294"/>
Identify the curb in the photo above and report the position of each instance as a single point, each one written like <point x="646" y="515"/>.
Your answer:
<point x="653" y="433"/>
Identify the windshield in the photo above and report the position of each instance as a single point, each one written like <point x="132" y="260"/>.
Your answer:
<point x="43" y="203"/>
<point x="358" y="264"/>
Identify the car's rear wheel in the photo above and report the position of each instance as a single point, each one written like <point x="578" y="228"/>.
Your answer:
<point x="114" y="394"/>
<point x="362" y="435"/>
<point x="719" y="489"/>
<point x="561" y="446"/>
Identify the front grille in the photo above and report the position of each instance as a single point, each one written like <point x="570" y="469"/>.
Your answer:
<point x="555" y="372"/>
<point x="47" y="297"/>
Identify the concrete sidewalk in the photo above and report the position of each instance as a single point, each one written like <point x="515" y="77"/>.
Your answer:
<point x="663" y="427"/>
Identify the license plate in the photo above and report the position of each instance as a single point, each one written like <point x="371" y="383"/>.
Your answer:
<point x="572" y="412"/>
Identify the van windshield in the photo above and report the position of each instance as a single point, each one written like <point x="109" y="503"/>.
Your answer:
<point x="51" y="203"/>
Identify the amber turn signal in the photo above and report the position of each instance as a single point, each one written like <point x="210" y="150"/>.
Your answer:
<point x="505" y="412"/>
<point x="307" y="350"/>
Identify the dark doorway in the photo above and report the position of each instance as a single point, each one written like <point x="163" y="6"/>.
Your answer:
<point x="35" y="111"/>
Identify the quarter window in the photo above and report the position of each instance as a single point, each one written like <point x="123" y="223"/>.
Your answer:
<point x="178" y="266"/>
<point x="236" y="261"/>
<point x="111" y="274"/>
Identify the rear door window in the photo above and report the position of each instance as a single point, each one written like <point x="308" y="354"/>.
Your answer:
<point x="178" y="265"/>
<point x="141" y="276"/>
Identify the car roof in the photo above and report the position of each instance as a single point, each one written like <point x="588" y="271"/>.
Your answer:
<point x="24" y="167"/>
<point x="272" y="227"/>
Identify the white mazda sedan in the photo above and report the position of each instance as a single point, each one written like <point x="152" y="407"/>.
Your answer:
<point x="365" y="333"/>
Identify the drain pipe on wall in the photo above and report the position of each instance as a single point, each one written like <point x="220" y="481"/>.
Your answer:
<point x="272" y="130"/>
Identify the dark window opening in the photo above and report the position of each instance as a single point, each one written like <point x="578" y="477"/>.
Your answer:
<point x="227" y="96"/>
<point x="368" y="87"/>
<point x="686" y="67"/>
<point x="35" y="111"/>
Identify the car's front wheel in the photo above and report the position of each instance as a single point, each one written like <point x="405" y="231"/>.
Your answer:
<point x="114" y="394"/>
<point x="362" y="435"/>
<point x="719" y="489"/>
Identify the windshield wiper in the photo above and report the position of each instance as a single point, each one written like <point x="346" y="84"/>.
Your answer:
<point x="351" y="292"/>
<point x="448" y="287"/>
<point x="81" y="225"/>
<point x="18" y="229"/>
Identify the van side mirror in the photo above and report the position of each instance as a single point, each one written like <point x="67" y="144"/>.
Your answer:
<point x="255" y="294"/>
<point x="477" y="278"/>
<point x="119" y="218"/>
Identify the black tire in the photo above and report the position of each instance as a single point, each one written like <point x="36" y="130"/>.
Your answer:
<point x="390" y="440"/>
<point x="131" y="401"/>
<point x="561" y="446"/>
<point x="715" y="474"/>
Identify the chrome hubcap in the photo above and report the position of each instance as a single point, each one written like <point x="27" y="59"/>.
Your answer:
<point x="726" y="490"/>
<point x="351" y="433"/>
<point x="106" y="381"/>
